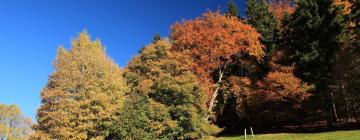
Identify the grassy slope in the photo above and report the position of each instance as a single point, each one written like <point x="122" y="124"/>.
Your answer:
<point x="337" y="135"/>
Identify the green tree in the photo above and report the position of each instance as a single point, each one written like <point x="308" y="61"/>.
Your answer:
<point x="265" y="22"/>
<point x="170" y="102"/>
<point x="156" y="38"/>
<point x="355" y="19"/>
<point x="13" y="125"/>
<point x="232" y="9"/>
<point x="142" y="118"/>
<point x="251" y="9"/>
<point x="315" y="32"/>
<point x="82" y="94"/>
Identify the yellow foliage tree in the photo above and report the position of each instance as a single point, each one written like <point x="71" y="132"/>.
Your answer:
<point x="82" y="94"/>
<point x="13" y="125"/>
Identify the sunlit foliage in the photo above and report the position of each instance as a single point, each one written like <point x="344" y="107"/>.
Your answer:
<point x="209" y="42"/>
<point x="13" y="125"/>
<point x="82" y="93"/>
<point x="166" y="100"/>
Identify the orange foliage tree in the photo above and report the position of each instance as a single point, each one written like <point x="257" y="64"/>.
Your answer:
<point x="280" y="8"/>
<point x="346" y="4"/>
<point x="278" y="88"/>
<point x="281" y="83"/>
<point x="284" y="86"/>
<point x="209" y="43"/>
<point x="281" y="89"/>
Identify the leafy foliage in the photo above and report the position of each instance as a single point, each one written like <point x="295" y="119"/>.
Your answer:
<point x="82" y="94"/>
<point x="265" y="22"/>
<point x="209" y="43"/>
<point x="211" y="40"/>
<point x="156" y="38"/>
<point x="318" y="26"/>
<point x="232" y="9"/>
<point x="13" y="125"/>
<point x="261" y="71"/>
<point x="281" y="8"/>
<point x="355" y="20"/>
<point x="318" y="33"/>
<point x="166" y="97"/>
<point x="141" y="118"/>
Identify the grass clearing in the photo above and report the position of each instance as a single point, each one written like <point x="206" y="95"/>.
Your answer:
<point x="335" y="135"/>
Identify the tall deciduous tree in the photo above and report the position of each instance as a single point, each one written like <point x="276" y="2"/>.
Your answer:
<point x="13" y="125"/>
<point x="82" y="94"/>
<point x="166" y="100"/>
<point x="210" y="42"/>
<point x="281" y="92"/>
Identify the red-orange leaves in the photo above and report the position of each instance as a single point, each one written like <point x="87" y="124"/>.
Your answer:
<point x="284" y="86"/>
<point x="211" y="40"/>
<point x="347" y="5"/>
<point x="280" y="8"/>
<point x="239" y="85"/>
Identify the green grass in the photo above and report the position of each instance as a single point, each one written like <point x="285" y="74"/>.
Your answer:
<point x="336" y="135"/>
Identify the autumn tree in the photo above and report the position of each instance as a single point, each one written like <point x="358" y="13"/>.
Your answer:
<point x="210" y="42"/>
<point x="346" y="4"/>
<point x="250" y="100"/>
<point x="82" y="94"/>
<point x="280" y="8"/>
<point x="13" y="124"/>
<point x="166" y="100"/>
<point x="280" y="92"/>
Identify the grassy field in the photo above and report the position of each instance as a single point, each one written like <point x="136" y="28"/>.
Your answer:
<point x="336" y="135"/>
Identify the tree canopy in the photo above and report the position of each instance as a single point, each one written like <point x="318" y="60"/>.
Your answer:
<point x="13" y="124"/>
<point x="166" y="98"/>
<point x="287" y="63"/>
<point x="82" y="94"/>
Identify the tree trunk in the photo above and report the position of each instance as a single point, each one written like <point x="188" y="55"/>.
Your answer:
<point x="347" y="106"/>
<point x="215" y="94"/>
<point x="342" y="69"/>
<point x="333" y="106"/>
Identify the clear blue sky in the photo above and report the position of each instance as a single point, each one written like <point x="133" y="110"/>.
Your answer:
<point x="32" y="30"/>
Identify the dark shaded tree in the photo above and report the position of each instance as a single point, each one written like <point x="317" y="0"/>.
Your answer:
<point x="265" y="22"/>
<point x="156" y="38"/>
<point x="232" y="9"/>
<point x="314" y="31"/>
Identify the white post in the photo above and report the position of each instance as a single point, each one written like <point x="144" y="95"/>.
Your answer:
<point x="252" y="133"/>
<point x="245" y="133"/>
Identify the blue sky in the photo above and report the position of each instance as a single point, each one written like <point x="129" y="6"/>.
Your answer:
<point x="32" y="30"/>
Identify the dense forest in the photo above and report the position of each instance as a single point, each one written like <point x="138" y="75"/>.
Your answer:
<point x="285" y="63"/>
